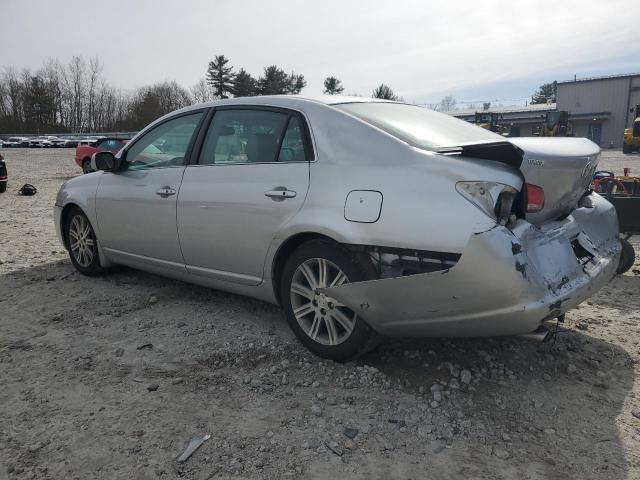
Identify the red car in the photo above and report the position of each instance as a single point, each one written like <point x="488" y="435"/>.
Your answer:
<point x="85" y="151"/>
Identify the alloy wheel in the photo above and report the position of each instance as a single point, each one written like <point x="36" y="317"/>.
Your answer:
<point x="81" y="241"/>
<point x="322" y="318"/>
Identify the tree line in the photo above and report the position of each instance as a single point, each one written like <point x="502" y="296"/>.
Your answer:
<point x="76" y="97"/>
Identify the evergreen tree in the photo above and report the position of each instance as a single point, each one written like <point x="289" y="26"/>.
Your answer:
<point x="384" y="92"/>
<point x="333" y="86"/>
<point x="244" y="85"/>
<point x="220" y="76"/>
<point x="274" y="81"/>
<point x="295" y="83"/>
<point x="546" y="93"/>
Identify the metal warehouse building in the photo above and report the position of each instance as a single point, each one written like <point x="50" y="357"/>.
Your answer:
<point x="598" y="107"/>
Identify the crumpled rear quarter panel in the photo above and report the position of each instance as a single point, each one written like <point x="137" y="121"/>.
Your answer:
<point x="506" y="282"/>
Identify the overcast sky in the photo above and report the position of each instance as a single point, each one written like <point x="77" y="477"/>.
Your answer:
<point x="423" y="49"/>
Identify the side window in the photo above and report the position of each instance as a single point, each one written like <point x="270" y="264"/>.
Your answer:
<point x="252" y="136"/>
<point x="109" y="144"/>
<point x="165" y="145"/>
<point x="293" y="144"/>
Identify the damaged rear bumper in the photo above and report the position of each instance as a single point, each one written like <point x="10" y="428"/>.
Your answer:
<point x="506" y="282"/>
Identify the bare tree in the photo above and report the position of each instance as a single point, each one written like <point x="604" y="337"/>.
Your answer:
<point x="76" y="97"/>
<point x="201" y="92"/>
<point x="12" y="99"/>
<point x="447" y="104"/>
<point x="76" y="78"/>
<point x="93" y="81"/>
<point x="154" y="101"/>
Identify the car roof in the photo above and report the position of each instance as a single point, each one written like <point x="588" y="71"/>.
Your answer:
<point x="286" y="100"/>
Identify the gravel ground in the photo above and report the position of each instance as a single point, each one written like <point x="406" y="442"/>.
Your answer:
<point x="110" y="377"/>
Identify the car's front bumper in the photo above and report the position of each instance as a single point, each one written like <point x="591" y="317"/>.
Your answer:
<point x="506" y="282"/>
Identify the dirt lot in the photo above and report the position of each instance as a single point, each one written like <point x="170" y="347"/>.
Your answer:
<point x="79" y="356"/>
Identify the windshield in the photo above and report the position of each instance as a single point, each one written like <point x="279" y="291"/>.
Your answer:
<point x="419" y="126"/>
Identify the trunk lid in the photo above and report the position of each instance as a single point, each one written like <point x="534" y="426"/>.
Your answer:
<point x="563" y="167"/>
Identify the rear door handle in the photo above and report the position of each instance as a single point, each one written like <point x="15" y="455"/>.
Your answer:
<point x="283" y="193"/>
<point x="165" y="192"/>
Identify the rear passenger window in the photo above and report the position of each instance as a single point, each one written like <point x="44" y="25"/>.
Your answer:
<point x="253" y="136"/>
<point x="293" y="144"/>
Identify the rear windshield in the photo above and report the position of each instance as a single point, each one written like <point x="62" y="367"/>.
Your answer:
<point x="419" y="126"/>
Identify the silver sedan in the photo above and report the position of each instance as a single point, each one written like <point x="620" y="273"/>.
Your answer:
<point x="361" y="218"/>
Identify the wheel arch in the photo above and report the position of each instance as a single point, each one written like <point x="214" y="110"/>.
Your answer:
<point x="66" y="210"/>
<point x="285" y="250"/>
<point x="64" y="215"/>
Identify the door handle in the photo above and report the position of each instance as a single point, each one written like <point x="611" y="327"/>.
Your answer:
<point x="165" y="192"/>
<point x="280" y="194"/>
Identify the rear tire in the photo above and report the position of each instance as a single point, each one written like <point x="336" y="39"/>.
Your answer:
<point x="82" y="243"/>
<point x="626" y="148"/>
<point x="323" y="325"/>
<point x="627" y="257"/>
<point x="3" y="187"/>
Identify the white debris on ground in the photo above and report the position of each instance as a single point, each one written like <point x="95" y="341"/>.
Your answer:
<point x="110" y="377"/>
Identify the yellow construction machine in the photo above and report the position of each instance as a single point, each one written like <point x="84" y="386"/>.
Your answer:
<point x="490" y="121"/>
<point x="556" y="124"/>
<point x="631" y="138"/>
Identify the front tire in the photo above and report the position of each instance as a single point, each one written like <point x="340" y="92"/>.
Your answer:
<point x="325" y="326"/>
<point x="626" y="148"/>
<point x="86" y="166"/>
<point x="82" y="243"/>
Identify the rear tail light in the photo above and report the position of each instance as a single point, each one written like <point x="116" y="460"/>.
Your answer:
<point x="533" y="198"/>
<point x="504" y="205"/>
<point x="494" y="199"/>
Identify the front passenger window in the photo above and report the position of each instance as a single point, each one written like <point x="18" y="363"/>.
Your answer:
<point x="165" y="145"/>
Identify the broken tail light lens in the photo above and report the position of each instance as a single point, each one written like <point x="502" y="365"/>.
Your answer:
<point x="504" y="205"/>
<point x="494" y="199"/>
<point x="533" y="198"/>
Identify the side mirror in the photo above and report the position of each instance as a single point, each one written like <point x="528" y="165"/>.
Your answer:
<point x="105" y="161"/>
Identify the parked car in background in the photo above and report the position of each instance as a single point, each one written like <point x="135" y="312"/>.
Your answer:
<point x="70" y="142"/>
<point x="56" y="142"/>
<point x="4" y="176"/>
<point x="40" y="142"/>
<point x="358" y="216"/>
<point x="85" y="151"/>
<point x="87" y="141"/>
<point x="16" y="142"/>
